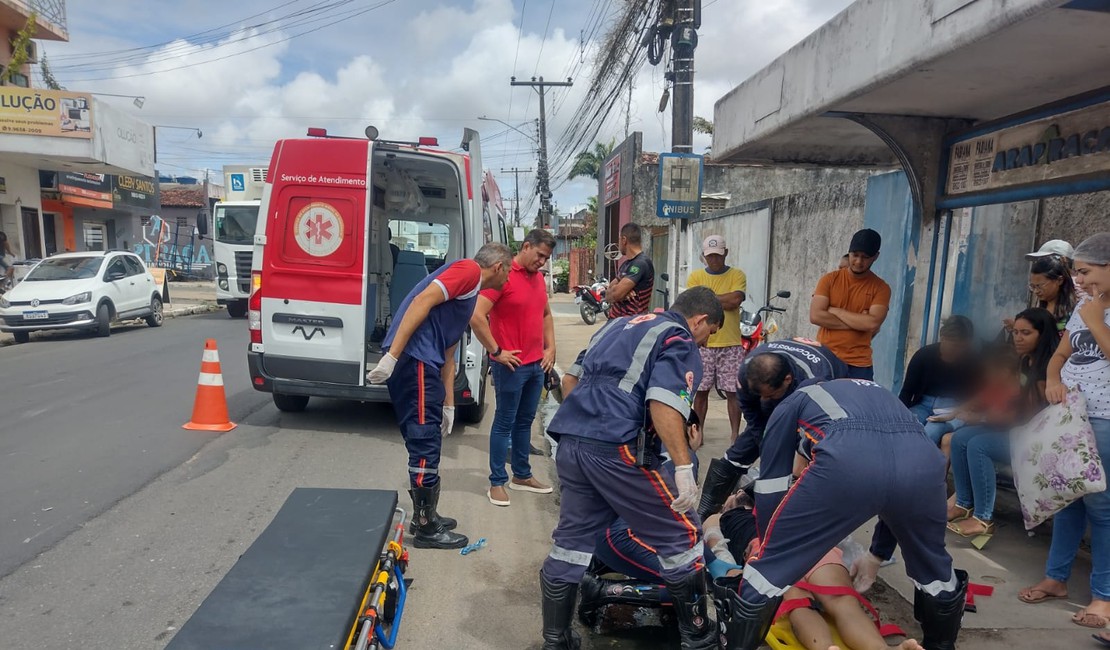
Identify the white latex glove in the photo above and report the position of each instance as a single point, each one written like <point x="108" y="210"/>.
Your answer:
<point x="381" y="372"/>
<point x="688" y="491"/>
<point x="864" y="571"/>
<point x="448" y="422"/>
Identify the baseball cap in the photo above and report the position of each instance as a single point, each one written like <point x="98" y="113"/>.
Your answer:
<point x="866" y="241"/>
<point x="714" y="245"/>
<point x="1052" y="247"/>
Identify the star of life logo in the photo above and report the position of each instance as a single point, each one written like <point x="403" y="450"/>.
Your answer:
<point x="318" y="229"/>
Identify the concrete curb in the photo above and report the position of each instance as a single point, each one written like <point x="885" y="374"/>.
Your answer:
<point x="6" y="339"/>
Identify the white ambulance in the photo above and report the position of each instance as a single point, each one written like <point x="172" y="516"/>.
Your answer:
<point x="346" y="229"/>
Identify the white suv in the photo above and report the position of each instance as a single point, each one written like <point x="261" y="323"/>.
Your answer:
<point x="81" y="291"/>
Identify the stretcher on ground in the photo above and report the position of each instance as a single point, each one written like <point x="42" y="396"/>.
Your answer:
<point x="328" y="572"/>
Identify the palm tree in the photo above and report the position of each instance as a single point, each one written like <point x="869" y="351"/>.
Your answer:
<point x="589" y="163"/>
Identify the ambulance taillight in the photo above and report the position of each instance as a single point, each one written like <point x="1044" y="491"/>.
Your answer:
<point x="254" y="308"/>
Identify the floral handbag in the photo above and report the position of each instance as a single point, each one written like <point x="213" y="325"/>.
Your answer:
<point x="1055" y="460"/>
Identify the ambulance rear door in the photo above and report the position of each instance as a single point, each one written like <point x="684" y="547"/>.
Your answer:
<point x="314" y="280"/>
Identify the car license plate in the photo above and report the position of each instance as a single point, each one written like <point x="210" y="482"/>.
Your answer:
<point x="42" y="314"/>
<point x="578" y="300"/>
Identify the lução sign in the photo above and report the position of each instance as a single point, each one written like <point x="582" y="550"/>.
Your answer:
<point x="27" y="111"/>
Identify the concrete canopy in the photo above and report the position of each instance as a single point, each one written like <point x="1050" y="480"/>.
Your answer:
<point x="969" y="60"/>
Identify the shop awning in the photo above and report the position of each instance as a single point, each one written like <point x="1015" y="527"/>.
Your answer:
<point x="970" y="59"/>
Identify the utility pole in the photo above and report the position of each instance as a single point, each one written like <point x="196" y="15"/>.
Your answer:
<point x="516" y="178"/>
<point x="543" y="173"/>
<point x="684" y="40"/>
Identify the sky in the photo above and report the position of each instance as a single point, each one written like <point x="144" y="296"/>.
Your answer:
<point x="247" y="73"/>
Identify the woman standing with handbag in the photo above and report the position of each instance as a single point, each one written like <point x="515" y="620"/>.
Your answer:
<point x="1082" y="362"/>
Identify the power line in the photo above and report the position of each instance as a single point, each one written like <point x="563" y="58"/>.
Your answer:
<point x="348" y="15"/>
<point x="516" y="55"/>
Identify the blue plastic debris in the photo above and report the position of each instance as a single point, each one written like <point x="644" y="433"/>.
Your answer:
<point x="470" y="548"/>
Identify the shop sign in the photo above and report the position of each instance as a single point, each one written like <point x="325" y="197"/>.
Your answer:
<point x="135" y="192"/>
<point x="94" y="190"/>
<point x="680" y="184"/>
<point x="55" y="113"/>
<point x="612" y="176"/>
<point x="1071" y="144"/>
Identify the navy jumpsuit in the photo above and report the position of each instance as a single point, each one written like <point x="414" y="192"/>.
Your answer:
<point x="628" y="363"/>
<point x="870" y="456"/>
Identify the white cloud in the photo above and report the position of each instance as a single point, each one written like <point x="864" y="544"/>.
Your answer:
<point x="428" y="73"/>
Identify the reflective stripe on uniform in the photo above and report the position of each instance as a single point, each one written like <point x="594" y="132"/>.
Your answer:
<point x="938" y="587"/>
<point x="682" y="559"/>
<point x="773" y="485"/>
<point x="577" y="558"/>
<point x="574" y="370"/>
<point x="828" y="404"/>
<point x="423" y="470"/>
<point x="643" y="351"/>
<point x="664" y="396"/>
<point x="761" y="584"/>
<point x="210" y="379"/>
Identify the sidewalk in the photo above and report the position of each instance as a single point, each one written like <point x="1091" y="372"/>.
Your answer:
<point x="186" y="298"/>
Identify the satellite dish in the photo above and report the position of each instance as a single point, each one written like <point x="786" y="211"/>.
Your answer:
<point x="372" y="132"/>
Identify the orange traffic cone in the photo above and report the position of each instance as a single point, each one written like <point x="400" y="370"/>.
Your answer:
<point x="210" y="407"/>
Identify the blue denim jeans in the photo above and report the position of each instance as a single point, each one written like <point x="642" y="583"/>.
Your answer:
<point x="975" y="450"/>
<point x="1070" y="523"/>
<point x="518" y="396"/>
<point x="923" y="409"/>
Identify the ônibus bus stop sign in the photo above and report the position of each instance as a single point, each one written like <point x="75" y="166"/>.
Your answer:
<point x="680" y="183"/>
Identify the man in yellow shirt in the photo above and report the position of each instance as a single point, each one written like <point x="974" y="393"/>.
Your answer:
<point x="721" y="356"/>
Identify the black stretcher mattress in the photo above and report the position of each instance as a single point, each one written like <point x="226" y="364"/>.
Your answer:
<point x="300" y="584"/>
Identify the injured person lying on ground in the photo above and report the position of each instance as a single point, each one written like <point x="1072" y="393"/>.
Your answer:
<point x="622" y="587"/>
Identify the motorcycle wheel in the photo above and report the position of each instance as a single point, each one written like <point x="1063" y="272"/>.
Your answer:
<point x="589" y="316"/>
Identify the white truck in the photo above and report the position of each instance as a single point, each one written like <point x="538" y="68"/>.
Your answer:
<point x="234" y="220"/>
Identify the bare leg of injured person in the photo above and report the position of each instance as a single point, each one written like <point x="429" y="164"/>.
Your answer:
<point x="855" y="626"/>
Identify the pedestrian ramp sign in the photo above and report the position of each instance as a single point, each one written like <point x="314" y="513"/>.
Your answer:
<point x="238" y="182"/>
<point x="680" y="185"/>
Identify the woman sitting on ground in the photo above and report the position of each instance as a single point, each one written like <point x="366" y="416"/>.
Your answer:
<point x="1013" y="391"/>
<point x="941" y="376"/>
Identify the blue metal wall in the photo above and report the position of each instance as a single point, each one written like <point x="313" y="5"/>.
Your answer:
<point x="889" y="210"/>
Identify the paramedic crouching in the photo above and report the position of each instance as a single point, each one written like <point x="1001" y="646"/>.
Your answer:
<point x="419" y="369"/>
<point x="637" y="374"/>
<point x="867" y="455"/>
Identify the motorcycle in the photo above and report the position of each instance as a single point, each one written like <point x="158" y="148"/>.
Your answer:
<point x="754" y="328"/>
<point x="591" y="301"/>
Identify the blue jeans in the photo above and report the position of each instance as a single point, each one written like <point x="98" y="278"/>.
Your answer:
<point x="518" y="396"/>
<point x="1070" y="523"/>
<point x="860" y="372"/>
<point x="923" y="409"/>
<point x="975" y="449"/>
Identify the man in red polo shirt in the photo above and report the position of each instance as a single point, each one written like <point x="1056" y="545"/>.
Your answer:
<point x="514" y="324"/>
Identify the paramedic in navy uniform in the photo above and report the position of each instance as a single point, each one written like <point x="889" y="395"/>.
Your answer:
<point x="769" y="374"/>
<point x="419" y="368"/>
<point x="864" y="454"/>
<point x="638" y="373"/>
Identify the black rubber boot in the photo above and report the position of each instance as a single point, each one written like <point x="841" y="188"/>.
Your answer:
<point x="744" y="625"/>
<point x="446" y="522"/>
<point x="720" y="482"/>
<point x="558" y="615"/>
<point x="691" y="605"/>
<point x="940" y="616"/>
<point x="429" y="532"/>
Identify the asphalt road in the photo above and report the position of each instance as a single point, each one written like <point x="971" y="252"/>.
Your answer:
<point x="116" y="523"/>
<point x="85" y="421"/>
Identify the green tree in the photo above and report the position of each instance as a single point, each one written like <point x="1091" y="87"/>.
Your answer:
<point x="589" y="232"/>
<point x="48" y="78"/>
<point x="702" y="125"/>
<point x="588" y="163"/>
<point x="21" y="46"/>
